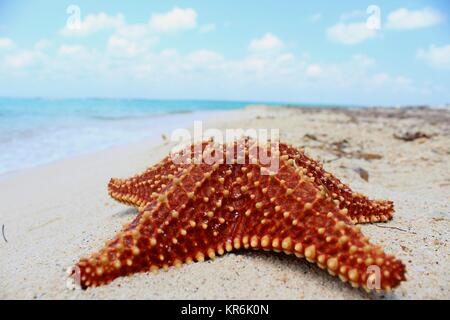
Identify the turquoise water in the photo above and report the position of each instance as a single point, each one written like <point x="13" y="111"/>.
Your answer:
<point x="39" y="131"/>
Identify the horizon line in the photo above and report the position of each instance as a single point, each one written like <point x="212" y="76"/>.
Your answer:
<point x="249" y="101"/>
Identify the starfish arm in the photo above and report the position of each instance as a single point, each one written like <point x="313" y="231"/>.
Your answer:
<point x="361" y="209"/>
<point x="139" y="190"/>
<point x="190" y="221"/>
<point x="293" y="215"/>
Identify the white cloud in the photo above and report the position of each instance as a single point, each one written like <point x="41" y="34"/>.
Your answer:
<point x="129" y="46"/>
<point x="202" y="60"/>
<point x="131" y="40"/>
<point x="6" y="43"/>
<point x="207" y="28"/>
<point x="169" y="53"/>
<point x="43" y="44"/>
<point x="314" y="70"/>
<point x="285" y="58"/>
<point x="363" y="60"/>
<point x="133" y="30"/>
<point x="404" y="19"/>
<point x="350" y="33"/>
<point x="175" y="20"/>
<point x="380" y="78"/>
<point x="177" y="73"/>
<point x="268" y="42"/>
<point x="205" y="56"/>
<point x="21" y="59"/>
<point x="437" y="57"/>
<point x="93" y="23"/>
<point x="357" y="74"/>
<point x="315" y="17"/>
<point x="122" y="46"/>
<point x="395" y="83"/>
<point x="74" y="60"/>
<point x="402" y="81"/>
<point x="71" y="50"/>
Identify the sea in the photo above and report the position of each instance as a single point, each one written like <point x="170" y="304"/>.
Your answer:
<point x="36" y="131"/>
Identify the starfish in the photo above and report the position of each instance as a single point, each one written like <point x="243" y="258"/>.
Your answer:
<point x="140" y="190"/>
<point x="190" y="212"/>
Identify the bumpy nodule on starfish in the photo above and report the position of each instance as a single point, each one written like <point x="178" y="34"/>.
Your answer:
<point x="190" y="212"/>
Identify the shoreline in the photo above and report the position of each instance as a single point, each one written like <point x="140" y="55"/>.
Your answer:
<point x="400" y="111"/>
<point x="184" y="118"/>
<point x="56" y="213"/>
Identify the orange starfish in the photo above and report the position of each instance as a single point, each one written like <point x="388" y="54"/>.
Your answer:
<point x="193" y="211"/>
<point x="137" y="191"/>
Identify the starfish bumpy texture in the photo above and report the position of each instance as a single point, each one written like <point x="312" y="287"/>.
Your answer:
<point x="189" y="212"/>
<point x="137" y="191"/>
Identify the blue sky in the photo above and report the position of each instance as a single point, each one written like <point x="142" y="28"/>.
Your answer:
<point x="288" y="51"/>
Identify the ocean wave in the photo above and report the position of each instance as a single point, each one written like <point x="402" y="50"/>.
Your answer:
<point x="30" y="143"/>
<point x="139" y="116"/>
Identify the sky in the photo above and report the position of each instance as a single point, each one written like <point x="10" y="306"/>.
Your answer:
<point x="352" y="52"/>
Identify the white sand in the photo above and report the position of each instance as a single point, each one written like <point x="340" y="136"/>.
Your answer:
<point x="56" y="213"/>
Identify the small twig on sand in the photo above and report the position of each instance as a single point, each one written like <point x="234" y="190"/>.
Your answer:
<point x="396" y="228"/>
<point x="331" y="160"/>
<point x="3" y="232"/>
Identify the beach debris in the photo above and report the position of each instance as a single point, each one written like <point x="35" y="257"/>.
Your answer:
<point x="191" y="212"/>
<point x="265" y="117"/>
<point x="340" y="145"/>
<point x="395" y="228"/>
<point x="3" y="233"/>
<point x="364" y="174"/>
<point x="340" y="149"/>
<point x="368" y="156"/>
<point x="411" y="135"/>
<point x="310" y="137"/>
<point x="352" y="119"/>
<point x="437" y="242"/>
<point x="405" y="249"/>
<point x="441" y="150"/>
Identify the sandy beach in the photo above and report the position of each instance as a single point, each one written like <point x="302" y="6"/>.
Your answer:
<point x="56" y="213"/>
